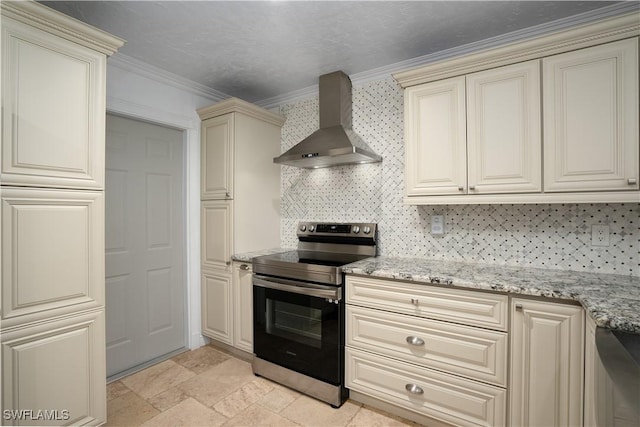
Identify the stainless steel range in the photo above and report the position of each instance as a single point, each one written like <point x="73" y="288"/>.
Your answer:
<point x="299" y="308"/>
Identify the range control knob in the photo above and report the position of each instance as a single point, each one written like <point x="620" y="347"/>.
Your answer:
<point x="312" y="228"/>
<point x="366" y="229"/>
<point x="355" y="229"/>
<point x="303" y="227"/>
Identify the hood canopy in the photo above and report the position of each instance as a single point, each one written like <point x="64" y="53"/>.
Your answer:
<point x="335" y="143"/>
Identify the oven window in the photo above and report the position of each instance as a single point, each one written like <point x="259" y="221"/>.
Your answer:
<point x="294" y="322"/>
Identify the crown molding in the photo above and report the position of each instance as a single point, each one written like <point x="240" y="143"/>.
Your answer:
<point x="233" y="105"/>
<point x="530" y="33"/>
<point x="136" y="66"/>
<point x="61" y="25"/>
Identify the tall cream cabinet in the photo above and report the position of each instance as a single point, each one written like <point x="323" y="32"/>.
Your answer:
<point x="52" y="217"/>
<point x="474" y="131"/>
<point x="240" y="210"/>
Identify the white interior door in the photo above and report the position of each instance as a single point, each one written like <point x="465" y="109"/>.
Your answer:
<point x="145" y="285"/>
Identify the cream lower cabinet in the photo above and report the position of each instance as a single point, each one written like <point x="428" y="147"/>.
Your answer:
<point x="54" y="373"/>
<point x="227" y="306"/>
<point x="217" y="314"/>
<point x="51" y="185"/>
<point x="243" y="306"/>
<point x="400" y="352"/>
<point x="547" y="364"/>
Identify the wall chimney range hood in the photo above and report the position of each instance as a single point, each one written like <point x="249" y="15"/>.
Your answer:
<point x="335" y="143"/>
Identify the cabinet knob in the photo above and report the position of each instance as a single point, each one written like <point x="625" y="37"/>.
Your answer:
<point x="472" y="188"/>
<point x="415" y="341"/>
<point x="518" y="307"/>
<point x="227" y="195"/>
<point x="413" y="389"/>
<point x="415" y="301"/>
<point x="460" y="188"/>
<point x="228" y="262"/>
<point x="632" y="181"/>
<point x="244" y="267"/>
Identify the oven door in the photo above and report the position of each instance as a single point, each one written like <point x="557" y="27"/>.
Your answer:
<point x="298" y="325"/>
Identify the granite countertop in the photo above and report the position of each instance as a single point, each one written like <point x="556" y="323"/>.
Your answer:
<point x="248" y="256"/>
<point x="612" y="301"/>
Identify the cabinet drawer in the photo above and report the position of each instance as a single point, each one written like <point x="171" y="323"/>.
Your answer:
<point x="444" y="397"/>
<point x="455" y="305"/>
<point x="477" y="353"/>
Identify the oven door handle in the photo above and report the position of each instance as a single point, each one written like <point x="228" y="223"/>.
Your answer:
<point x="303" y="288"/>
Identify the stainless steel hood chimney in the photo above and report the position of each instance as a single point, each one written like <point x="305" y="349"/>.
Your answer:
<point x="335" y="143"/>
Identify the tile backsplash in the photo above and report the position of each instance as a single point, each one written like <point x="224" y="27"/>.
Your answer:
<point x="554" y="236"/>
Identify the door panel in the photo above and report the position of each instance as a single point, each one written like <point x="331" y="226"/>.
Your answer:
<point x="144" y="248"/>
<point x="52" y="126"/>
<point x="50" y="236"/>
<point x="57" y="366"/>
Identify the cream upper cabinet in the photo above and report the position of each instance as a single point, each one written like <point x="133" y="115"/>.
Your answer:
<point x="503" y="130"/>
<point x="591" y="118"/>
<point x="53" y="97"/>
<point x="435" y="138"/>
<point x="475" y="134"/>
<point x="551" y="119"/>
<point x="217" y="157"/>
<point x="547" y="364"/>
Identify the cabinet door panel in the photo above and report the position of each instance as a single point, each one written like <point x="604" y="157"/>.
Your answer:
<point x="217" y="157"/>
<point x="591" y="118"/>
<point x="243" y="307"/>
<point x="216" y="234"/>
<point x="547" y="361"/>
<point x="53" y="111"/>
<point x="504" y="145"/>
<point x="53" y="252"/>
<point x="435" y="135"/>
<point x="216" y="306"/>
<point x="57" y="366"/>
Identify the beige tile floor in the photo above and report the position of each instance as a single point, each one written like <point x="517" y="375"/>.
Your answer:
<point x="207" y="387"/>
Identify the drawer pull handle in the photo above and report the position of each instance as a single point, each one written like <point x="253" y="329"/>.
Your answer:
<point x="244" y="267"/>
<point x="415" y="301"/>
<point x="415" y="341"/>
<point x="518" y="307"/>
<point x="413" y="389"/>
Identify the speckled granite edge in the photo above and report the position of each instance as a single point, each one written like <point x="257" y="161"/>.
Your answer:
<point x="248" y="256"/>
<point x="612" y="301"/>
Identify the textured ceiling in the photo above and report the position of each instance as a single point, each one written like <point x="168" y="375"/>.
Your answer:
<point x="258" y="50"/>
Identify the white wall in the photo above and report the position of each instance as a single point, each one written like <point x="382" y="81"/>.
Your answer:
<point x="138" y="91"/>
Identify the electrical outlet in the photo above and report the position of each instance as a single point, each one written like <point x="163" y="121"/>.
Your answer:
<point x="437" y="224"/>
<point x="599" y="235"/>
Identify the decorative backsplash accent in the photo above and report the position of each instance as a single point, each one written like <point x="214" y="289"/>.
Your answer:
<point x="553" y="236"/>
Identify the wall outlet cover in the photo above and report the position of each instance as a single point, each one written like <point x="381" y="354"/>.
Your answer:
<point x="599" y="235"/>
<point x="437" y="224"/>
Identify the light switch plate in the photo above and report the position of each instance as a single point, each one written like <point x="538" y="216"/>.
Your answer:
<point x="437" y="224"/>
